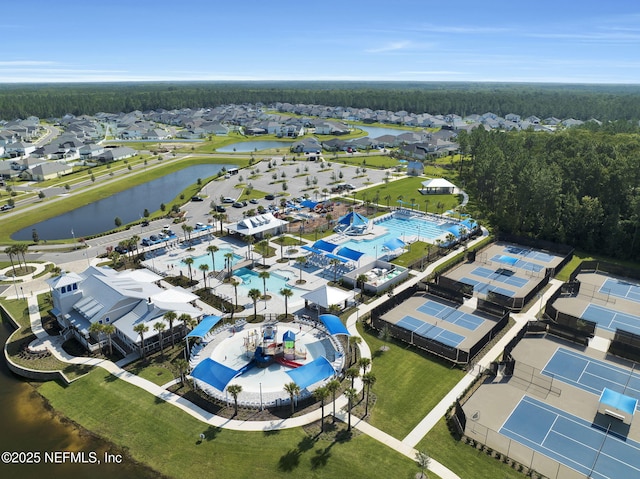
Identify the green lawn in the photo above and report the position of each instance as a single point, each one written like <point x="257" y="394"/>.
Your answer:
<point x="407" y="189"/>
<point x="157" y="375"/>
<point x="166" y="438"/>
<point x="408" y="386"/>
<point x="461" y="458"/>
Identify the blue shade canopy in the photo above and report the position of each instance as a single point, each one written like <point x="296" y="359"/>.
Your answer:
<point x="353" y="218"/>
<point x="325" y="246"/>
<point x="469" y="224"/>
<point x="339" y="258"/>
<point x="349" y="253"/>
<point x="309" y="204"/>
<point x="313" y="250"/>
<point x="333" y="324"/>
<point x="311" y="373"/>
<point x="204" y="327"/>
<point x="213" y="373"/>
<point x="393" y="244"/>
<point x="627" y="404"/>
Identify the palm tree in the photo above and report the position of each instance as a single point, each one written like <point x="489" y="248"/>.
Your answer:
<point x="11" y="251"/>
<point x="321" y="393"/>
<point x="388" y="199"/>
<point x="254" y="294"/>
<point x="235" y="283"/>
<point x="301" y="260"/>
<point x="287" y="293"/>
<point x="97" y="329"/>
<point x="335" y="263"/>
<point x="228" y="259"/>
<point x="413" y="202"/>
<point x="188" y="320"/>
<point x="333" y="386"/>
<point x="212" y="249"/>
<point x="364" y="363"/>
<point x="160" y="326"/>
<point x="264" y="247"/>
<point x="184" y="229"/>
<point x="141" y="328"/>
<point x="350" y="393"/>
<point x="354" y="342"/>
<point x="22" y="248"/>
<point x="361" y="280"/>
<point x="368" y="379"/>
<point x="183" y="367"/>
<point x="423" y="460"/>
<point x="385" y="335"/>
<point x="188" y="230"/>
<point x="264" y="275"/>
<point x="189" y="261"/>
<point x="170" y="317"/>
<point x="234" y="390"/>
<point x="249" y="239"/>
<point x="293" y="390"/>
<point x="204" y="268"/>
<point x="109" y="330"/>
<point x="328" y="218"/>
<point x="352" y="373"/>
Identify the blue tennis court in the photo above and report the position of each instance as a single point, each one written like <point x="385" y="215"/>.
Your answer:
<point x="530" y="253"/>
<point x="451" y="315"/>
<point x="481" y="287"/>
<point x="427" y="330"/>
<point x="590" y="374"/>
<point x="501" y="276"/>
<point x="621" y="289"/>
<point x="517" y="263"/>
<point x="611" y="319"/>
<point x="572" y="441"/>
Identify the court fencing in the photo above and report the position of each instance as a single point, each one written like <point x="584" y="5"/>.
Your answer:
<point x="604" y="267"/>
<point x="561" y="249"/>
<point x="625" y="345"/>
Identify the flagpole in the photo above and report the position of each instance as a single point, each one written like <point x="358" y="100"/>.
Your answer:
<point x="74" y="238"/>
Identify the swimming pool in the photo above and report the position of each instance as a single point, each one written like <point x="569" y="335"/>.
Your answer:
<point x="404" y="228"/>
<point x="276" y="281"/>
<point x="218" y="256"/>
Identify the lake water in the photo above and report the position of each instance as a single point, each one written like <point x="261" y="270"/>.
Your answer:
<point x="27" y="425"/>
<point x="250" y="146"/>
<point x="127" y="205"/>
<point x="376" y="131"/>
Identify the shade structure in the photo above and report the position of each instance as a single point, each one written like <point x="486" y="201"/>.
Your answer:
<point x="333" y="324"/>
<point x="312" y="249"/>
<point x="349" y="253"/>
<point x="213" y="373"/>
<point x="309" y="204"/>
<point x="311" y="373"/>
<point x="469" y="224"/>
<point x="353" y="218"/>
<point x="617" y="405"/>
<point x="393" y="244"/>
<point x="326" y="295"/>
<point x="325" y="246"/>
<point x="339" y="258"/>
<point x="204" y="326"/>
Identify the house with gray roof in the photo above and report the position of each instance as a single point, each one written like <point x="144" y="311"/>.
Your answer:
<point x="115" y="154"/>
<point x="46" y="171"/>
<point x="124" y="299"/>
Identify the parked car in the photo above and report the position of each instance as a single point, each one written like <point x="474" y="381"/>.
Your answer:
<point x="146" y="242"/>
<point x="200" y="226"/>
<point x="253" y="201"/>
<point x="220" y="209"/>
<point x="153" y="238"/>
<point x="121" y="249"/>
<point x="144" y="223"/>
<point x="196" y="198"/>
<point x="270" y="197"/>
<point x="226" y="199"/>
<point x="7" y="207"/>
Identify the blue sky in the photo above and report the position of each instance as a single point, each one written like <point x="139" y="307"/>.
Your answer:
<point x="403" y="40"/>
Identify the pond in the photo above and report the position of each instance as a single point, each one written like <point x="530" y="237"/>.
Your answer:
<point x="376" y="131"/>
<point x="251" y="146"/>
<point x="128" y="205"/>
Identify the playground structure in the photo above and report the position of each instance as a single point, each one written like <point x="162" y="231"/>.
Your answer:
<point x="264" y="349"/>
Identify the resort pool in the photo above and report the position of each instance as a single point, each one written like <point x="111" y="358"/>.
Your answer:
<point x="405" y="229"/>
<point x="276" y="281"/>
<point x="218" y="256"/>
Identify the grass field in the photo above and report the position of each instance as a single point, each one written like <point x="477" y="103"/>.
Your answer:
<point x="408" y="385"/>
<point x="161" y="435"/>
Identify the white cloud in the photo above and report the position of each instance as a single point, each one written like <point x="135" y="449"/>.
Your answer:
<point x="390" y="47"/>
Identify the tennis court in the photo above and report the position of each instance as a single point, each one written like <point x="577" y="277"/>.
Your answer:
<point x="621" y="289"/>
<point x="517" y="263"/>
<point x="480" y="287"/>
<point x="611" y="320"/>
<point x="427" y="330"/>
<point x="590" y="374"/>
<point x="500" y="275"/>
<point x="572" y="441"/>
<point x="530" y="253"/>
<point x="451" y="315"/>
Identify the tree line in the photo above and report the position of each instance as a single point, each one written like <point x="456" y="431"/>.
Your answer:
<point x="580" y="186"/>
<point x="604" y="102"/>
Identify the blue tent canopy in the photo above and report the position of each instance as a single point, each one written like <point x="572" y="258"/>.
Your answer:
<point x="617" y="400"/>
<point x="313" y="250"/>
<point x="393" y="244"/>
<point x="204" y="327"/>
<point x="353" y="218"/>
<point x="325" y="246"/>
<point x="349" y="253"/>
<point x="333" y="324"/>
<point x="333" y="256"/>
<point x="469" y="224"/>
<point x="454" y="230"/>
<point x="214" y="373"/>
<point x="309" y="204"/>
<point x="311" y="373"/>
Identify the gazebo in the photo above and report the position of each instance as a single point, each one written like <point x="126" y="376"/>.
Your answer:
<point x="437" y="186"/>
<point x="326" y="295"/>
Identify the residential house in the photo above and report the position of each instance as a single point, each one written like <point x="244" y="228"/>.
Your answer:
<point x="115" y="154"/>
<point x="47" y="171"/>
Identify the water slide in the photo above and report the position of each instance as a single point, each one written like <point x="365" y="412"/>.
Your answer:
<point x="287" y="362"/>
